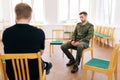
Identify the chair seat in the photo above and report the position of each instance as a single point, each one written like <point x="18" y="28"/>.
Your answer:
<point x="98" y="63"/>
<point x="105" y="36"/>
<point x="101" y="35"/>
<point x="3" y="60"/>
<point x="68" y="32"/>
<point x="58" y="42"/>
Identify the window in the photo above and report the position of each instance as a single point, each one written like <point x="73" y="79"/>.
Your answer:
<point x="104" y="11"/>
<point x="1" y="11"/>
<point x="63" y="10"/>
<point x="68" y="10"/>
<point x="37" y="6"/>
<point x="38" y="11"/>
<point x="13" y="4"/>
<point x="107" y="11"/>
<point x="29" y="2"/>
<point x="74" y="9"/>
<point x="84" y="5"/>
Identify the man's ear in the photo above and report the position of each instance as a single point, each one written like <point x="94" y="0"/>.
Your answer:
<point x="16" y="18"/>
<point x="30" y="18"/>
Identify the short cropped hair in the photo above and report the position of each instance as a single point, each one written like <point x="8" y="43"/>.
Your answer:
<point x="23" y="10"/>
<point x="85" y="13"/>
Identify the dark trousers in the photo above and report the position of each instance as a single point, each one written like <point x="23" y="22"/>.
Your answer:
<point x="66" y="46"/>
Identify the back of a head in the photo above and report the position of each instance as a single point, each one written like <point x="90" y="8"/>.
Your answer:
<point x="23" y="11"/>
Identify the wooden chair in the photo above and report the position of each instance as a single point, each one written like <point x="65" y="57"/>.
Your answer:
<point x="108" y="36"/>
<point x="97" y="30"/>
<point x="102" y="30"/>
<point x="87" y="50"/>
<point x="57" y="39"/>
<point x="20" y="65"/>
<point x="104" y="34"/>
<point x="103" y="66"/>
<point x="91" y="49"/>
<point x="68" y="29"/>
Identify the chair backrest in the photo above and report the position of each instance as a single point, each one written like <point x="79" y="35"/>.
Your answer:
<point x="106" y="30"/>
<point x="91" y="42"/>
<point x="57" y="34"/>
<point x="111" y="32"/>
<point x="102" y="30"/>
<point x="114" y="57"/>
<point x="98" y="29"/>
<point x="69" y="28"/>
<point x="20" y="64"/>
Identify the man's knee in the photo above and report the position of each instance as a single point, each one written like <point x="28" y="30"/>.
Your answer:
<point x="65" y="45"/>
<point x="82" y="46"/>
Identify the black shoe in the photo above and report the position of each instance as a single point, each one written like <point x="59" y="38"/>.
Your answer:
<point x="75" y="69"/>
<point x="71" y="62"/>
<point x="48" y="67"/>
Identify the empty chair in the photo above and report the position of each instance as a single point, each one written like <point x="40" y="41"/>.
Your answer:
<point x="57" y="39"/>
<point x="103" y="66"/>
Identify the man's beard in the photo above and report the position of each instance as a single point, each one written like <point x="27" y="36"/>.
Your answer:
<point x="83" y="21"/>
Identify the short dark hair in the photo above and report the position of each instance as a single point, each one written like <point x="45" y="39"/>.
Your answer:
<point x="23" y="10"/>
<point x="85" y="13"/>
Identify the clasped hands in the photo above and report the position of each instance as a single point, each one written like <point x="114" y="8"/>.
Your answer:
<point x="74" y="43"/>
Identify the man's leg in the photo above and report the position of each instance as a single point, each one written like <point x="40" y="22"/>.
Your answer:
<point x="46" y="66"/>
<point x="80" y="48"/>
<point x="65" y="48"/>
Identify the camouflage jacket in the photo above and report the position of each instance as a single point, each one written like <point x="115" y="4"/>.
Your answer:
<point x="83" y="33"/>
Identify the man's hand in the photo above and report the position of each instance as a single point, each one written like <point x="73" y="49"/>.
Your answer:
<point x="75" y="43"/>
<point x="41" y="51"/>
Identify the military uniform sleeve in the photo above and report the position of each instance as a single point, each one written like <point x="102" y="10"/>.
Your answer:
<point x="89" y="36"/>
<point x="74" y="34"/>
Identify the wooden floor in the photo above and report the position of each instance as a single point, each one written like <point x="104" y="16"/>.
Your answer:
<point x="61" y="72"/>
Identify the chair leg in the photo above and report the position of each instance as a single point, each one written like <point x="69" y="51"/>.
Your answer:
<point x="115" y="74"/>
<point x="82" y="62"/>
<point x="95" y="39"/>
<point x="99" y="41"/>
<point x="3" y="71"/>
<point x="93" y="75"/>
<point x="112" y="43"/>
<point x="103" y="42"/>
<point x="84" y="74"/>
<point x="63" y="55"/>
<point x="4" y="68"/>
<point x="110" y="76"/>
<point x="108" y="42"/>
<point x="52" y="49"/>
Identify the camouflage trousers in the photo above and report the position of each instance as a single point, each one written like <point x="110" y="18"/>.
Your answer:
<point x="66" y="46"/>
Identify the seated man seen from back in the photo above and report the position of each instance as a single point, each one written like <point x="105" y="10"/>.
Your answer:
<point x="24" y="38"/>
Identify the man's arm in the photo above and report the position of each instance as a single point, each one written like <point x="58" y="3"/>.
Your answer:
<point x="41" y="51"/>
<point x="89" y="36"/>
<point x="42" y="45"/>
<point x="74" y="34"/>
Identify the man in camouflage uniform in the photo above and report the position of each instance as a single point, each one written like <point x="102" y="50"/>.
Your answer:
<point x="80" y="41"/>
